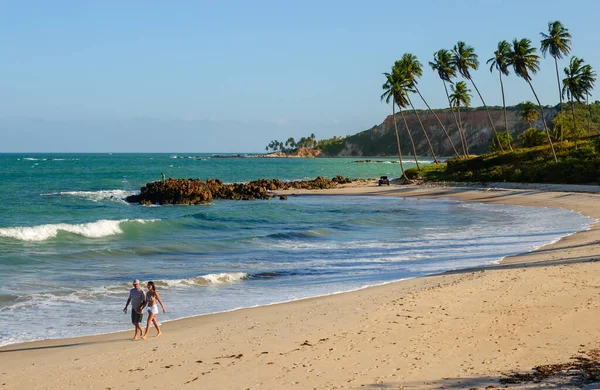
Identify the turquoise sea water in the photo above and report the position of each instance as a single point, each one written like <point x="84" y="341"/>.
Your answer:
<point x="70" y="245"/>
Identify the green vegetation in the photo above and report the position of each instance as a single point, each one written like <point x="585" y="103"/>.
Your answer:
<point x="577" y="85"/>
<point x="394" y="89"/>
<point x="461" y="95"/>
<point x="412" y="69"/>
<point x="502" y="142"/>
<point x="522" y="153"/>
<point x="529" y="113"/>
<point x="532" y="137"/>
<point x="382" y="145"/>
<point x="587" y="121"/>
<point x="374" y="142"/>
<point x="442" y="64"/>
<point x="525" y="63"/>
<point x="532" y="164"/>
<point x="463" y="60"/>
<point x="291" y="146"/>
<point x="332" y="145"/>
<point x="528" y="165"/>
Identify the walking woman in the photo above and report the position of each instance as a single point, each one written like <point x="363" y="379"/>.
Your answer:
<point x="151" y="298"/>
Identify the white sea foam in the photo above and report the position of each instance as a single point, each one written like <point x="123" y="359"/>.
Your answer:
<point x="205" y="280"/>
<point x="97" y="229"/>
<point x="328" y="266"/>
<point x="96" y="196"/>
<point x="48" y="159"/>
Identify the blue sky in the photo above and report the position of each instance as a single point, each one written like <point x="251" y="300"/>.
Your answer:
<point x="229" y="76"/>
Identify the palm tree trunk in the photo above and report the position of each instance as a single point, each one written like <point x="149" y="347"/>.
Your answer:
<point x="461" y="126"/>
<point x="559" y="95"/>
<point x="412" y="142"/>
<point x="463" y="139"/>
<point x="574" y="122"/>
<point x="398" y="139"/>
<point x="587" y="102"/>
<point x="504" y="105"/>
<point x="439" y="121"/>
<point x="489" y="116"/>
<point x="544" y="121"/>
<point x="424" y="132"/>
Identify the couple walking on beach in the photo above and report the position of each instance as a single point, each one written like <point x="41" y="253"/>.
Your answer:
<point x="140" y="299"/>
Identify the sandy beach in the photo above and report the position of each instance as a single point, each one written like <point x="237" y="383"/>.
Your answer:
<point x="462" y="329"/>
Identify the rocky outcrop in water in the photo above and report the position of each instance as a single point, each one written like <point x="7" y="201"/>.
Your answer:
<point x="196" y="191"/>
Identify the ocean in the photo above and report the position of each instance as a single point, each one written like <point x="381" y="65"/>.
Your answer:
<point x="70" y="245"/>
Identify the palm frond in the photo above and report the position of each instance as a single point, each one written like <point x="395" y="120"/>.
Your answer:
<point x="442" y="64"/>
<point x="557" y="42"/>
<point x="500" y="59"/>
<point x="464" y="59"/>
<point x="579" y="80"/>
<point x="460" y="96"/>
<point x="523" y="59"/>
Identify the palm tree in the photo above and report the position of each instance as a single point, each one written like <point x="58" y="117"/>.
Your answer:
<point x="589" y="77"/>
<point x="529" y="113"/>
<point x="441" y="64"/>
<point x="558" y="43"/>
<point x="411" y="66"/>
<point x="313" y="140"/>
<point x="577" y="84"/>
<point x="393" y="89"/>
<point x="461" y="96"/>
<point x="500" y="62"/>
<point x="464" y="59"/>
<point x="526" y="62"/>
<point x="402" y="101"/>
<point x="405" y="68"/>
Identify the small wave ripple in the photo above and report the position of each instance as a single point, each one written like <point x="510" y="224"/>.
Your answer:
<point x="303" y="234"/>
<point x="96" y="196"/>
<point x="48" y="159"/>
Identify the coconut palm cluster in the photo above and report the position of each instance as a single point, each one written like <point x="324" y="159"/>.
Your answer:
<point x="520" y="57"/>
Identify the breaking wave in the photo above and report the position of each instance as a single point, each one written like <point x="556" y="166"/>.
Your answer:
<point x="205" y="280"/>
<point x="101" y="228"/>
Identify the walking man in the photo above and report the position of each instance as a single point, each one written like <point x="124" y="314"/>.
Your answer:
<point x="137" y="297"/>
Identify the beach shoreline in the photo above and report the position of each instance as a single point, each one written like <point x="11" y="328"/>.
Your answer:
<point x="577" y="253"/>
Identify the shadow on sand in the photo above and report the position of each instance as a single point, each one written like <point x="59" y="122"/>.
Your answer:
<point x="33" y="347"/>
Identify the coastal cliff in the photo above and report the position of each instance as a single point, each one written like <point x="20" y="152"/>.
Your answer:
<point x="380" y="140"/>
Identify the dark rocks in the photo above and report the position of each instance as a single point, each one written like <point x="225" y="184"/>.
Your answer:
<point x="283" y="197"/>
<point x="173" y="191"/>
<point x="195" y="191"/>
